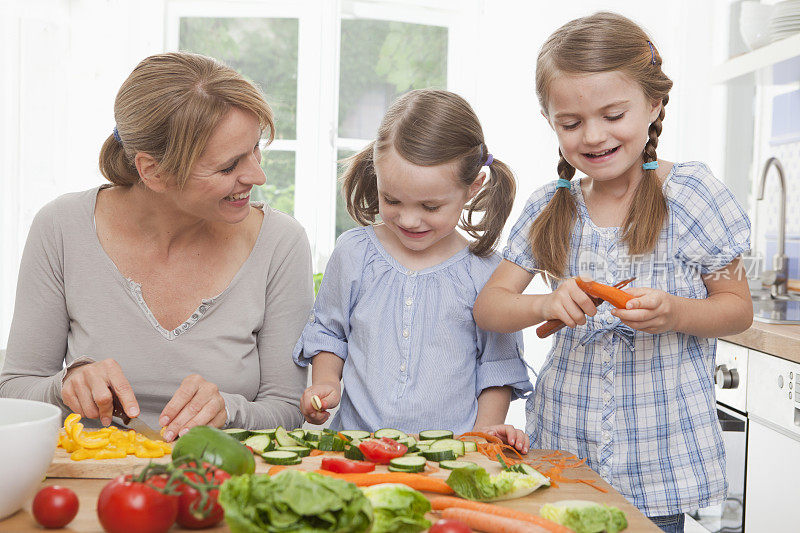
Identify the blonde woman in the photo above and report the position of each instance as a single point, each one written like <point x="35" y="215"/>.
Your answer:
<point x="167" y="287"/>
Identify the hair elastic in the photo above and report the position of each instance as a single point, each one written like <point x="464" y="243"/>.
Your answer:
<point x="652" y="165"/>
<point x="563" y="183"/>
<point x="116" y="135"/>
<point x="652" y="53"/>
<point x="489" y="160"/>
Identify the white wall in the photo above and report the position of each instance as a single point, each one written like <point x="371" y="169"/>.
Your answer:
<point x="63" y="61"/>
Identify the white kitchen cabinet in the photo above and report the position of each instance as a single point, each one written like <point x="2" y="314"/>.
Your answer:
<point x="773" y="447"/>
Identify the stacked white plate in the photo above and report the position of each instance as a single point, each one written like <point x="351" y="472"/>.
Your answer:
<point x="785" y="20"/>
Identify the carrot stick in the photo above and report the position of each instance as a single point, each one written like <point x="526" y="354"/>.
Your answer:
<point x="487" y="436"/>
<point x="616" y="297"/>
<point x="490" y="523"/>
<point x="316" y="452"/>
<point x="439" y="503"/>
<point x="275" y="469"/>
<point x="415" y="481"/>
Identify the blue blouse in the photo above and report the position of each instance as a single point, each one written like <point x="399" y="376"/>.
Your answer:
<point x="640" y="407"/>
<point x="414" y="359"/>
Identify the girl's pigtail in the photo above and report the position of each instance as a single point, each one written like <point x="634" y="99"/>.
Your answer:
<point x="494" y="200"/>
<point x="643" y="224"/>
<point x="360" y="186"/>
<point x="550" y="232"/>
<point x="114" y="164"/>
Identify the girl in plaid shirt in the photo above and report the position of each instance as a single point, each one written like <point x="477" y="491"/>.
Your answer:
<point x="629" y="389"/>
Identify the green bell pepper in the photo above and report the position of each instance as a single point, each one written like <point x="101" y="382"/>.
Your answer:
<point x="216" y="447"/>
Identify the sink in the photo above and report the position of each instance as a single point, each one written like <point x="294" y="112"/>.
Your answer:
<point x="781" y="310"/>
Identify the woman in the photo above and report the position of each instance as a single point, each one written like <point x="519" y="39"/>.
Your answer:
<point x="167" y="288"/>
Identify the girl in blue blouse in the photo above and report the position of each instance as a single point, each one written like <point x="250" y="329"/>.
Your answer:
<point x="393" y="317"/>
<point x="631" y="389"/>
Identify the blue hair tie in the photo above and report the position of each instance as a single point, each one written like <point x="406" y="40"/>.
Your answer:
<point x="116" y="135"/>
<point x="563" y="183"/>
<point x="652" y="165"/>
<point x="489" y="161"/>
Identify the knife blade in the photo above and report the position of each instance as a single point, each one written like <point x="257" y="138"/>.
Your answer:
<point x="135" y="424"/>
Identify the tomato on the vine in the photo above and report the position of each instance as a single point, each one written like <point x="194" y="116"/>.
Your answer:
<point x="55" y="506"/>
<point x="190" y="514"/>
<point x="125" y="505"/>
<point x="382" y="451"/>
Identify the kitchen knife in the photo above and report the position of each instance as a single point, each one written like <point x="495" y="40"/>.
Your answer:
<point x="553" y="325"/>
<point x="134" y="423"/>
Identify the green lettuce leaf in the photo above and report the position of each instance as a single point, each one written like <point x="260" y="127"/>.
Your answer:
<point x="397" y="508"/>
<point x="474" y="483"/>
<point x="294" y="502"/>
<point x="584" y="516"/>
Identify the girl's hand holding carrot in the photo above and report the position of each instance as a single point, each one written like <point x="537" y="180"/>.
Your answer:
<point x="568" y="303"/>
<point x="509" y="435"/>
<point x="650" y="310"/>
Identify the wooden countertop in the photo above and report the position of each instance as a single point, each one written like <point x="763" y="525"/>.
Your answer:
<point x="781" y="340"/>
<point x="89" y="489"/>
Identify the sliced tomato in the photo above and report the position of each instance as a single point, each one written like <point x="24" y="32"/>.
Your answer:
<point x="346" y="466"/>
<point x="382" y="451"/>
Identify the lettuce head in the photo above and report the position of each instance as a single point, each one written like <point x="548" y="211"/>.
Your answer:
<point x="397" y="508"/>
<point x="474" y="483"/>
<point x="584" y="516"/>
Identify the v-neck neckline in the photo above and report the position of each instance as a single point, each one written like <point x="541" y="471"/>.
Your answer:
<point x="134" y="289"/>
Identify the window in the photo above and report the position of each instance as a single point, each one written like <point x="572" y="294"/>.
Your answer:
<point x="329" y="69"/>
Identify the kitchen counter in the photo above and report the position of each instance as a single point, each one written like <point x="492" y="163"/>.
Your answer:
<point x="781" y="340"/>
<point x="89" y="489"/>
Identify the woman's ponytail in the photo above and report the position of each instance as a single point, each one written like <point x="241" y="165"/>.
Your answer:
<point x="114" y="163"/>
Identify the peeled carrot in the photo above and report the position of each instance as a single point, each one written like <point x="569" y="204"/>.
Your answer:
<point x="415" y="481"/>
<point x="439" y="503"/>
<point x="487" y="436"/>
<point x="490" y="523"/>
<point x="616" y="297"/>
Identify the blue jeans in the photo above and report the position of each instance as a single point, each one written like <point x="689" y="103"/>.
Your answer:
<point x="671" y="523"/>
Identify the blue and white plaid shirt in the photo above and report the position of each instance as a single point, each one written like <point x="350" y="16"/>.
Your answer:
<point x="414" y="359"/>
<point x="640" y="407"/>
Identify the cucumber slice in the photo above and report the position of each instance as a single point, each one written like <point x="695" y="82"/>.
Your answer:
<point x="395" y="434"/>
<point x="331" y="443"/>
<point x="259" y="442"/>
<point x="237" y="433"/>
<point x="313" y="434"/>
<point x="355" y="434"/>
<point x="470" y="446"/>
<point x="452" y="465"/>
<point x="440" y="455"/>
<point x="299" y="450"/>
<point x="448" y="444"/>
<point x="281" y="458"/>
<point x="435" y="434"/>
<point x="407" y="464"/>
<point x="351" y="451"/>
<point x="410" y="442"/>
<point x="268" y="432"/>
<point x="283" y="438"/>
<point x="298" y="434"/>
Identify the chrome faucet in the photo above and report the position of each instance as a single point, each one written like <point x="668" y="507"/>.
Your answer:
<point x="778" y="276"/>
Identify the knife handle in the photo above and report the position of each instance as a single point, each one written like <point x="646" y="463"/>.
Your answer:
<point x="119" y="412"/>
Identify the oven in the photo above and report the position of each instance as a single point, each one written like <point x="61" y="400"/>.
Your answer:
<point x="730" y="381"/>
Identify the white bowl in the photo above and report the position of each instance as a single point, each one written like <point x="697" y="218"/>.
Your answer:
<point x="28" y="437"/>
<point x="754" y="23"/>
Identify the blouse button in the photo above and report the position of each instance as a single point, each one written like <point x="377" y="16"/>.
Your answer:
<point x="409" y="301"/>
<point x="403" y="367"/>
<point x="311" y="318"/>
<point x="406" y="333"/>
<point x="606" y="397"/>
<point x="610" y="319"/>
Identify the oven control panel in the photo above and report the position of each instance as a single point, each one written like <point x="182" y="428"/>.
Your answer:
<point x="730" y="375"/>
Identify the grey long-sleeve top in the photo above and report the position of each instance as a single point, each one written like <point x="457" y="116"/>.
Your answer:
<point x="74" y="305"/>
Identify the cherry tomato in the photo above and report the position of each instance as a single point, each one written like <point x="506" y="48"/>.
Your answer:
<point x="346" y="466"/>
<point x="125" y="506"/>
<point x="447" y="525"/>
<point x="55" y="506"/>
<point x="190" y="515"/>
<point x="382" y="451"/>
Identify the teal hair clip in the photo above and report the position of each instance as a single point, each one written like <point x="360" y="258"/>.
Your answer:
<point x="563" y="183"/>
<point x="652" y="165"/>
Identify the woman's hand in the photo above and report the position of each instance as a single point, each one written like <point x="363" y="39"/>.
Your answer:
<point x="651" y="310"/>
<point x="569" y="304"/>
<point x="197" y="402"/>
<point x="89" y="391"/>
<point x="329" y="395"/>
<point x="510" y="435"/>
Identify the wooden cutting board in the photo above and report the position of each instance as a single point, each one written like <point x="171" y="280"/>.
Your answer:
<point x="64" y="467"/>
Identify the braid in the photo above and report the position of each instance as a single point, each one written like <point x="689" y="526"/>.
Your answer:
<point x="653" y="132"/>
<point x="565" y="170"/>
